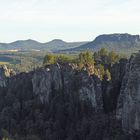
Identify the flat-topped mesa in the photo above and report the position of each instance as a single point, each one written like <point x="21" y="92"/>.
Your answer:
<point x="128" y="108"/>
<point x="114" y="42"/>
<point x="117" y="37"/>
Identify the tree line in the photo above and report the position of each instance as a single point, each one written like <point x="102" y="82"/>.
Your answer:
<point x="97" y="63"/>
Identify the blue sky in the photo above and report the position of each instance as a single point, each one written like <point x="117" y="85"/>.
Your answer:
<point x="70" y="20"/>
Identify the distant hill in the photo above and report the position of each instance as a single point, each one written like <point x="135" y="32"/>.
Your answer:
<point x="29" y="44"/>
<point x="124" y="43"/>
<point x="58" y="44"/>
<point x="118" y="42"/>
<point x="25" y="44"/>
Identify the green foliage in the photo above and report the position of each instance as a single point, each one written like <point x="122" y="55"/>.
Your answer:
<point x="27" y="61"/>
<point x="49" y="59"/>
<point x="26" y="64"/>
<point x="64" y="58"/>
<point x="108" y="75"/>
<point x="54" y="58"/>
<point x="22" y="61"/>
<point x="85" y="59"/>
<point x="113" y="57"/>
<point x="103" y="52"/>
<point x="103" y="56"/>
<point x="101" y="71"/>
<point x="97" y="64"/>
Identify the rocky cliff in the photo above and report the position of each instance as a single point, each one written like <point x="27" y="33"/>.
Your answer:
<point x="128" y="110"/>
<point x="60" y="102"/>
<point x="55" y="79"/>
<point x="4" y="74"/>
<point x="65" y="79"/>
<point x="54" y="101"/>
<point x="111" y="89"/>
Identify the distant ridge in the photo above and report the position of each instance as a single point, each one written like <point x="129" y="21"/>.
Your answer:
<point x="29" y="44"/>
<point x="118" y="42"/>
<point x="125" y="43"/>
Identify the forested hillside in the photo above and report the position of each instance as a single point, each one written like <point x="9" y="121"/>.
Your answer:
<point x="124" y="43"/>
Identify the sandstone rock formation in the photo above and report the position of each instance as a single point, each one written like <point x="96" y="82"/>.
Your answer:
<point x="47" y="86"/>
<point x="128" y="108"/>
<point x="111" y="89"/>
<point x="63" y="78"/>
<point x="4" y="73"/>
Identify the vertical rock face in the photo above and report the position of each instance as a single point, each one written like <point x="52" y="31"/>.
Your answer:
<point x="67" y="92"/>
<point x="128" y="108"/>
<point x="64" y="79"/>
<point x="55" y="79"/>
<point x="20" y="85"/>
<point x="111" y="89"/>
<point x="4" y="73"/>
<point x="53" y="102"/>
<point x="45" y="81"/>
<point x="2" y="78"/>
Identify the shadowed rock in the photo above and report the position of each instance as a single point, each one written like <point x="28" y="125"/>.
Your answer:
<point x="128" y="109"/>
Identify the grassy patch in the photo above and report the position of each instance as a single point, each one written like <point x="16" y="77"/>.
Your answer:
<point x="4" y="63"/>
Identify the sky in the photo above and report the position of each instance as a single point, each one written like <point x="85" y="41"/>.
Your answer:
<point x="69" y="20"/>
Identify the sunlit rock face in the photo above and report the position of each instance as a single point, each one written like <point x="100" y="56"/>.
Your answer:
<point x="4" y="73"/>
<point x="56" y="79"/>
<point x="128" y="108"/>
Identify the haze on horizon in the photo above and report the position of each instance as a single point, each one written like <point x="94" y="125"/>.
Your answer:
<point x="70" y="20"/>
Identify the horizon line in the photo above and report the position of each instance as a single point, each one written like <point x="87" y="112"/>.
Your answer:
<point x="43" y="42"/>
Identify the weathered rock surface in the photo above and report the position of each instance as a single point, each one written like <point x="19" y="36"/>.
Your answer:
<point x="128" y="108"/>
<point x="120" y="95"/>
<point x="56" y="102"/>
<point x="52" y="80"/>
<point x="4" y="73"/>
<point x="111" y="89"/>
<point x="44" y="81"/>
<point x="58" y="79"/>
